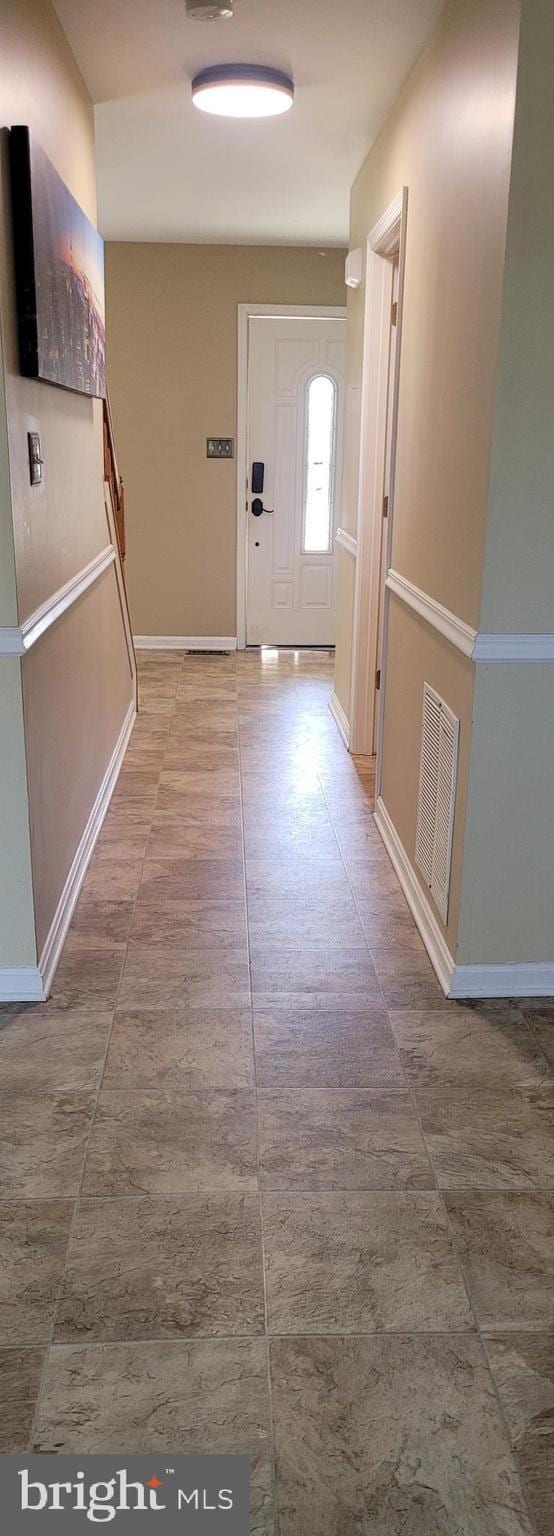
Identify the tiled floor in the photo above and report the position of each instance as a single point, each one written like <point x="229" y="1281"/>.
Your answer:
<point x="261" y="1188"/>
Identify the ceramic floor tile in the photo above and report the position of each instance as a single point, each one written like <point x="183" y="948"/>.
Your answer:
<point x="108" y="880"/>
<point x="495" y="1140"/>
<point x="124" y="837"/>
<point x="202" y="809"/>
<point x="487" y="1048"/>
<point x="325" y="1048"/>
<point x="43" y="1138"/>
<point x="171" y="1142"/>
<point x="539" y="1014"/>
<point x="359" y="1263"/>
<point x="346" y="976"/>
<point x="340" y="1139"/>
<point x="100" y="923"/>
<point x="20" y="1378"/>
<point x="33" y="1241"/>
<point x="319" y="925"/>
<point x="155" y="1268"/>
<point x="523" y="1369"/>
<point x="86" y="977"/>
<point x="172" y="838"/>
<point x="384" y="1437"/>
<point x="389" y="923"/>
<point x="46" y="1051"/>
<point x="191" y="924"/>
<point x="179" y="879"/>
<point x="156" y="977"/>
<point x="506" y="1245"/>
<point x="407" y="978"/>
<point x="200" y="1397"/>
<point x="183" y="1048"/>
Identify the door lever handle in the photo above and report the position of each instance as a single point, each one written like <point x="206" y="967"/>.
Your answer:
<point x="258" y="508"/>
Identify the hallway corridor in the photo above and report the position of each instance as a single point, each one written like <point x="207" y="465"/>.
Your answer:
<point x="262" y="1188"/>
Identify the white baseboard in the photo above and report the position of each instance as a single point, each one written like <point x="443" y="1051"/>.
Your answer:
<point x="185" y="642"/>
<point x="23" y="985"/>
<point x="502" y="980"/>
<point x="340" y="718"/>
<point x="68" y="899"/>
<point x="458" y="981"/>
<point x="422" y="912"/>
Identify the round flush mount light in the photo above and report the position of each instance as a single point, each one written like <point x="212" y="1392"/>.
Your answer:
<point x="210" y="10"/>
<point x="242" y="90"/>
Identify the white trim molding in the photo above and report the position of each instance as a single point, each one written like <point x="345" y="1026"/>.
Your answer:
<point x="246" y="313"/>
<point x="421" y="910"/>
<point x="43" y="617"/>
<point x="458" y="981"/>
<point x="68" y="899"/>
<point x="455" y="630"/>
<point x="23" y="985"/>
<point x="504" y="647"/>
<point x="346" y="541"/>
<point x="341" y="720"/>
<point x="185" y="642"/>
<point x="386" y="240"/>
<point x="476" y="644"/>
<point x="11" y="642"/>
<point x="16" y="642"/>
<point x="502" y="981"/>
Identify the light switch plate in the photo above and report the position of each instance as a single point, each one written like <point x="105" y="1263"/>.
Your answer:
<point x="35" y="458"/>
<point x="220" y="448"/>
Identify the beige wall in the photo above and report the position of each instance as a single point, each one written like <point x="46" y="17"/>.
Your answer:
<point x="74" y="700"/>
<point x="17" y="936"/>
<point x="417" y="653"/>
<point x="449" y="141"/>
<point x="172" y="364"/>
<point x="346" y="582"/>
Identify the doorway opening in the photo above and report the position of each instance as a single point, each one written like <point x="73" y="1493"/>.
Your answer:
<point x="291" y="371"/>
<point x="379" y="416"/>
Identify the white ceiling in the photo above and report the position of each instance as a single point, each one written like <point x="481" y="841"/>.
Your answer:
<point x="169" y="172"/>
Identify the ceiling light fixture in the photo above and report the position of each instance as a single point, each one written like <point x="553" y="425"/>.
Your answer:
<point x="242" y="90"/>
<point x="210" y="10"/>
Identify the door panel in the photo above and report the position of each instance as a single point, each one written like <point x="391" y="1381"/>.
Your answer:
<point x="290" y="588"/>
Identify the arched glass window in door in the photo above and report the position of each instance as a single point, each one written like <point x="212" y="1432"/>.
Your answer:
<point x="320" y="466"/>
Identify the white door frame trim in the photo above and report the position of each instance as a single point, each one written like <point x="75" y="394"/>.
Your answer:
<point x="246" y="312"/>
<point x="386" y="238"/>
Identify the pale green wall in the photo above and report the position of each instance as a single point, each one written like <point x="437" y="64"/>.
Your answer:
<point x="507" y="909"/>
<point x="518" y="585"/>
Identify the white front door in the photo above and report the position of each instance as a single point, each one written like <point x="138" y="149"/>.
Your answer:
<point x="295" y="424"/>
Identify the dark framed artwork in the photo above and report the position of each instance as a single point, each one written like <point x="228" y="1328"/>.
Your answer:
<point x="59" y="268"/>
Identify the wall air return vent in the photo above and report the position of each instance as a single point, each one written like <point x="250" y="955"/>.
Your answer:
<point x="437" y="794"/>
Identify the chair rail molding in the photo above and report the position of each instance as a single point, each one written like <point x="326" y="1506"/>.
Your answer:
<point x="478" y="645"/>
<point x="16" y="642"/>
<point x="346" y="541"/>
<point x="504" y="647"/>
<point x="448" y="624"/>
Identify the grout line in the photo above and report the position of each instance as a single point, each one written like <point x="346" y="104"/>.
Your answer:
<point x="274" y="1490"/>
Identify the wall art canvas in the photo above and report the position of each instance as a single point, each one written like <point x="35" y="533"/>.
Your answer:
<point x="59" y="264"/>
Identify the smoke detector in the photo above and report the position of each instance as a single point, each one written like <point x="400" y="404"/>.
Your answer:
<point x="210" y="10"/>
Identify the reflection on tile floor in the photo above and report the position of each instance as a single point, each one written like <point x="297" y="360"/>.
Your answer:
<point x="261" y="1188"/>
